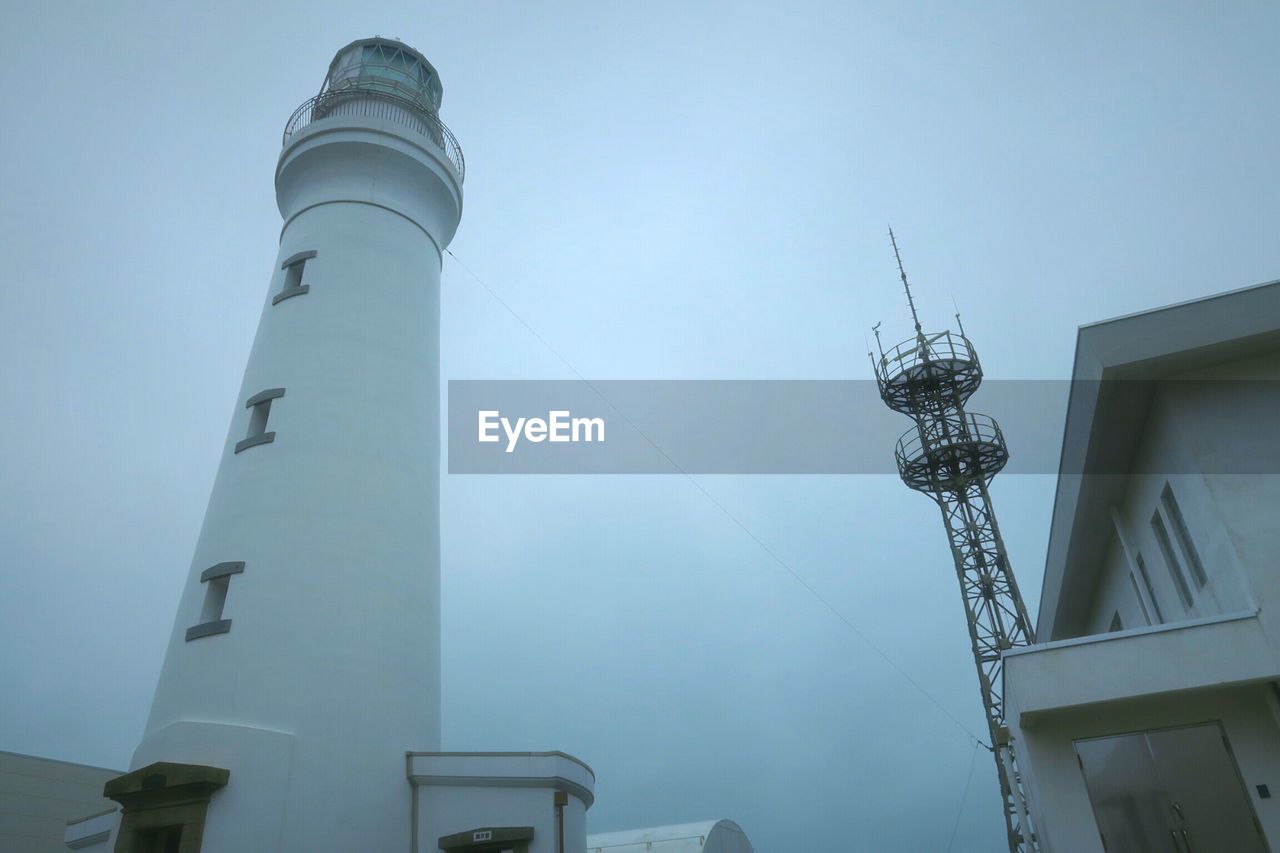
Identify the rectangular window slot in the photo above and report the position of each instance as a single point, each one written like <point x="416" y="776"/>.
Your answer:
<point x="1171" y="559"/>
<point x="293" y="285"/>
<point x="216" y="579"/>
<point x="1174" y="512"/>
<point x="1146" y="584"/>
<point x="260" y="409"/>
<point x="215" y="598"/>
<point x="1142" y="605"/>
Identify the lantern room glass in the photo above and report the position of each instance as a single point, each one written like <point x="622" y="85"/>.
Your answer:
<point x="386" y="66"/>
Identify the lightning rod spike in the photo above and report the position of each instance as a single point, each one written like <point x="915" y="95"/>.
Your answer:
<point x="959" y="323"/>
<point x="905" y="284"/>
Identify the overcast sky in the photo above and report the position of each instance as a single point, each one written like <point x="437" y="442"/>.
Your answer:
<point x="660" y="190"/>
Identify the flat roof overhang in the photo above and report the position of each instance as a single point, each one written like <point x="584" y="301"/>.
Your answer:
<point x="1158" y="660"/>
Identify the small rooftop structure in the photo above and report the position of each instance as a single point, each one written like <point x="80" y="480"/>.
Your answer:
<point x="711" y="836"/>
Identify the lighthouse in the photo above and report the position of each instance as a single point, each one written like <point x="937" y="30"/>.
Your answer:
<point x="304" y="659"/>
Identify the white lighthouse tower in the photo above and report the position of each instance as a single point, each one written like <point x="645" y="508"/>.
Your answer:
<point x="305" y="656"/>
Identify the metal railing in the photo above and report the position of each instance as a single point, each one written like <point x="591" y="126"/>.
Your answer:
<point x="908" y="356"/>
<point x="959" y="445"/>
<point x="928" y="372"/>
<point x="368" y="103"/>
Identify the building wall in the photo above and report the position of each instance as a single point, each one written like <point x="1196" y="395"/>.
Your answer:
<point x="1064" y="816"/>
<point x="39" y="795"/>
<point x="1233" y="432"/>
<point x="461" y="792"/>
<point x="445" y="810"/>
<point x="1208" y="423"/>
<point x="1210" y="441"/>
<point x="1115" y="595"/>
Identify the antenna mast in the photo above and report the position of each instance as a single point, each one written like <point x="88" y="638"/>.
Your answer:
<point x="952" y="456"/>
<point x="906" y="285"/>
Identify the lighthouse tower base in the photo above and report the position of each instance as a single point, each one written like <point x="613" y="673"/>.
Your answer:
<point x="469" y="802"/>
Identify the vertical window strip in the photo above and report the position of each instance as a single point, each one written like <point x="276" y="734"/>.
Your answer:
<point x="215" y="599"/>
<point x="1171" y="559"/>
<point x="1174" y="512"/>
<point x="1146" y="584"/>
<point x="1142" y="605"/>
<point x="258" y="416"/>
<point x="1138" y="565"/>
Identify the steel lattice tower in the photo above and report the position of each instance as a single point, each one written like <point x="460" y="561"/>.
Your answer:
<point x="952" y="456"/>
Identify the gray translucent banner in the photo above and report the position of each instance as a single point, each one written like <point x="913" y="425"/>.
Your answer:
<point x="837" y="426"/>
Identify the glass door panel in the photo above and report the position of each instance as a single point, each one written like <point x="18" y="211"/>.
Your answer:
<point x="1169" y="791"/>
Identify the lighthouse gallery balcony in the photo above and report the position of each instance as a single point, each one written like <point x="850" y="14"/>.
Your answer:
<point x="367" y="103"/>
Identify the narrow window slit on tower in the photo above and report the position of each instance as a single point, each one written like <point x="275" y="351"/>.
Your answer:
<point x="260" y="409"/>
<point x="216" y="579"/>
<point x="293" y="285"/>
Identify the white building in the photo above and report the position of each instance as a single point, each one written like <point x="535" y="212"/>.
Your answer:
<point x="298" y="707"/>
<point x="712" y="836"/>
<point x="305" y="657"/>
<point x="39" y="796"/>
<point x="1147" y="718"/>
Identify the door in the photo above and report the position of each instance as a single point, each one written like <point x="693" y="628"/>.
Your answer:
<point x="1169" y="791"/>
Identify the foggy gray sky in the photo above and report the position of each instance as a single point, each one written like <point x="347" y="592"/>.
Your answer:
<point x="662" y="191"/>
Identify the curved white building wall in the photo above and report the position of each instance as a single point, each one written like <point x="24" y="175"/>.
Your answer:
<point x="329" y="669"/>
<point x="713" y="836"/>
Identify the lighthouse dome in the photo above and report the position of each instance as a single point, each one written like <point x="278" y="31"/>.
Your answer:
<point x="388" y="66"/>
